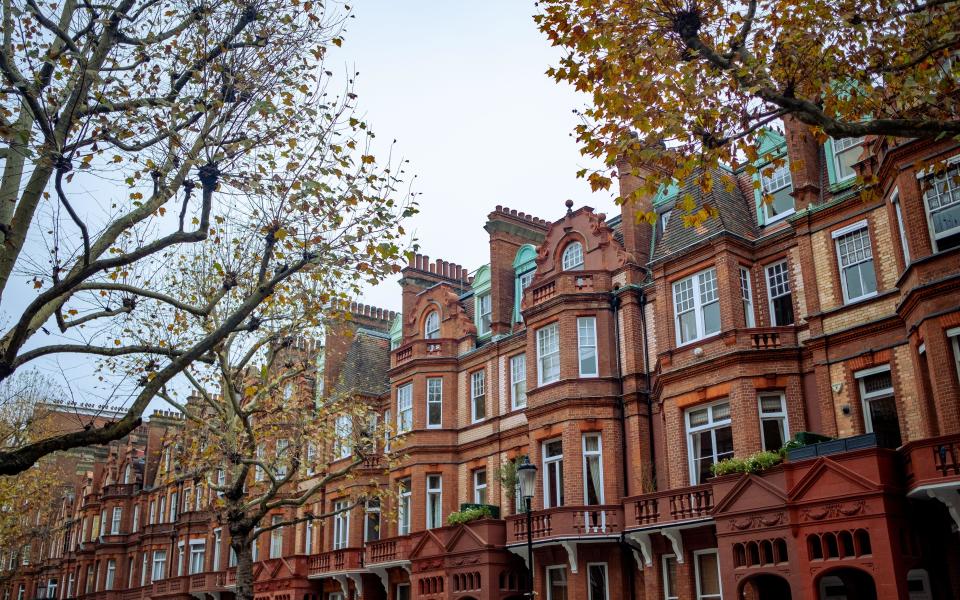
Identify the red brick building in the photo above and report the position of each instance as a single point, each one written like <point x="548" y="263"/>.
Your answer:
<point x="623" y="360"/>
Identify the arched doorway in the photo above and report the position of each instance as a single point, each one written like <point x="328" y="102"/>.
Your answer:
<point x="847" y="584"/>
<point x="765" y="586"/>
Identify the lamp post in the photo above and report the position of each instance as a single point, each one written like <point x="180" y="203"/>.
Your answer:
<point x="527" y="476"/>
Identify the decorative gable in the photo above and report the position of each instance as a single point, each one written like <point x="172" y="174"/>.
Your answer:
<point x="753" y="493"/>
<point x="828" y="480"/>
<point x="601" y="252"/>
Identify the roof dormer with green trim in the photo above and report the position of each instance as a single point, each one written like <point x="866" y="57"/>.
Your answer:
<point x="524" y="268"/>
<point x="483" y="302"/>
<point x="772" y="179"/>
<point x="396" y="332"/>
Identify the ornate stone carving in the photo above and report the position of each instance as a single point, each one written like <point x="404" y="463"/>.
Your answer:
<point x="832" y="511"/>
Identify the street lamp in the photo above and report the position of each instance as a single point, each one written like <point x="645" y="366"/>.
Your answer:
<point x="527" y="476"/>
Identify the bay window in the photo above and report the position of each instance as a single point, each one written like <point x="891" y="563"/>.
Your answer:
<point x="434" y="501"/>
<point x="115" y="520"/>
<point x="518" y="381"/>
<point x="774" y="431"/>
<point x="709" y="438"/>
<point x="941" y="199"/>
<point x="548" y="354"/>
<point x="403" y="507"/>
<point x="696" y="306"/>
<point x="480" y="486"/>
<point x="781" y="299"/>
<point x="404" y="408"/>
<point x="879" y="404"/>
<point x="553" y="473"/>
<point x="478" y="395"/>
<point x="198" y="554"/>
<point x="434" y="402"/>
<point x="159" y="564"/>
<point x="592" y="470"/>
<point x="341" y="525"/>
<point x="855" y="257"/>
<point x="276" y="537"/>
<point x="746" y="294"/>
<point x="371" y="522"/>
<point x="587" y="346"/>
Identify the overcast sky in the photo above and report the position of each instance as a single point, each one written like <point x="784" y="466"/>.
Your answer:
<point x="461" y="86"/>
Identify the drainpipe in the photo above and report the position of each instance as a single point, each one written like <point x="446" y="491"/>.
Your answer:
<point x="646" y="370"/>
<point x="624" y="546"/>
<point x="615" y="304"/>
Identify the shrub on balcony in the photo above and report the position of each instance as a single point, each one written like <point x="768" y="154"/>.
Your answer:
<point x="755" y="463"/>
<point x="470" y="514"/>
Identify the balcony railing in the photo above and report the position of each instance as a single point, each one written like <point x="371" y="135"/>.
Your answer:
<point x="932" y="461"/>
<point x="118" y="490"/>
<point x="669" y="507"/>
<point x="387" y="550"/>
<point x="766" y="338"/>
<point x="345" y="559"/>
<point x="424" y="349"/>
<point x="567" y="521"/>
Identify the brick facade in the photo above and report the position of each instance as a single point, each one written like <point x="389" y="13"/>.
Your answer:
<point x="871" y="514"/>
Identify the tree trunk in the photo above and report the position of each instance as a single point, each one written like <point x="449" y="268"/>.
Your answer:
<point x="242" y="546"/>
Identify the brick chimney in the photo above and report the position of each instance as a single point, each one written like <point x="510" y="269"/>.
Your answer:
<point x="803" y="150"/>
<point x="509" y="230"/>
<point x="637" y="236"/>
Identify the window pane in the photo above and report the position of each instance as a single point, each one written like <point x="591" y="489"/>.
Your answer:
<point x="708" y="570"/>
<point x="783" y="310"/>
<point x="557" y="584"/>
<point x="711" y="318"/>
<point x="670" y="577"/>
<point x="772" y="434"/>
<point x="598" y="582"/>
<point x="688" y="326"/>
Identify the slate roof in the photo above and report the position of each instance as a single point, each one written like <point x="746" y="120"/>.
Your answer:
<point x="365" y="366"/>
<point x="737" y="215"/>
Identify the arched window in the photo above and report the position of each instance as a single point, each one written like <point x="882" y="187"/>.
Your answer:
<point x="573" y="257"/>
<point x="431" y="327"/>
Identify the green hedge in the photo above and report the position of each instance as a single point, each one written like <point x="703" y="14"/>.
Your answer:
<point x="755" y="463"/>
<point x="470" y="514"/>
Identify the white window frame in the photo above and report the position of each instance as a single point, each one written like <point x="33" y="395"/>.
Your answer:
<point x="550" y="464"/>
<point x="217" y="541"/>
<point x="570" y="260"/>
<point x="434" y="496"/>
<point x="866" y="397"/>
<point x="711" y="425"/>
<point x="952" y="165"/>
<point x="954" y="336"/>
<point x="697" y="289"/>
<point x="518" y="378"/>
<point x="562" y="569"/>
<point x="746" y="295"/>
<point x="181" y="558"/>
<point x="478" y="392"/>
<point x="484" y="308"/>
<point x="666" y="576"/>
<point x="777" y="182"/>
<point x="174" y="498"/>
<point x="341" y="525"/>
<point x="194" y="567"/>
<point x="606" y="580"/>
<point x="404" y="408"/>
<point x="841" y="146"/>
<point x="343" y="448"/>
<point x="276" y="538"/>
<point x="431" y="325"/>
<point x="696" y="568"/>
<point x="115" y="519"/>
<point x="767" y="270"/>
<point x="858" y="227"/>
<point x="159" y="565"/>
<point x="901" y="227"/>
<point x="144" y="569"/>
<point x="480" y="488"/>
<point x="770" y="416"/>
<point x="371" y="507"/>
<point x="544" y="335"/>
<point x="111" y="575"/>
<point x="589" y="453"/>
<point x="387" y="418"/>
<point x="404" y="506"/>
<point x="587" y="326"/>
<point x="135" y="524"/>
<point x="435" y="396"/>
<point x="258" y="473"/>
<point x="311" y="457"/>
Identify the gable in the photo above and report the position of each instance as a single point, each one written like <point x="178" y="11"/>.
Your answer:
<point x="601" y="252"/>
<point x="827" y="479"/>
<point x="465" y="540"/>
<point x="429" y="545"/>
<point x="753" y="493"/>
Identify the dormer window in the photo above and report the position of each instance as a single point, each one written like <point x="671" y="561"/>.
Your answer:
<point x="484" y="314"/>
<point x="573" y="257"/>
<point x="431" y="326"/>
<point x="779" y="186"/>
<point x="846" y="151"/>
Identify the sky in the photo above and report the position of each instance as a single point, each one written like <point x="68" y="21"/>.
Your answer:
<point x="461" y="86"/>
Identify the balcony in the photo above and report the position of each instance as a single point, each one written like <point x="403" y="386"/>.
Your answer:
<point x="118" y="490"/>
<point x="568" y="282"/>
<point x="567" y="522"/>
<point x="388" y="550"/>
<point x="932" y="462"/>
<point x="336" y="561"/>
<point x="194" y="517"/>
<point x="158" y="529"/>
<point x="423" y="349"/>
<point x="670" y="507"/>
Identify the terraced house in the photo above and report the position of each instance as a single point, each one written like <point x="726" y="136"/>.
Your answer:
<point x="622" y="360"/>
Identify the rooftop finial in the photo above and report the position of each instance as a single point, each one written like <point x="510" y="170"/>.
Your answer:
<point x="569" y="204"/>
